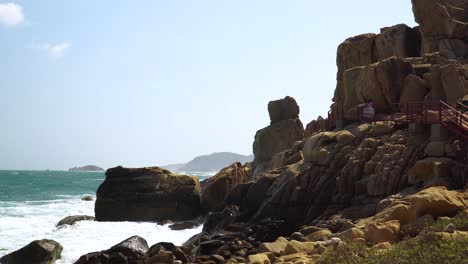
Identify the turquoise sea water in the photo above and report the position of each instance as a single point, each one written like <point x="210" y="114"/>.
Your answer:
<point x="32" y="203"/>
<point x="46" y="185"/>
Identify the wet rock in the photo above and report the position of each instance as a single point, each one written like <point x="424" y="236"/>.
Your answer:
<point x="88" y="198"/>
<point x="37" y="252"/>
<point x="218" y="186"/>
<point x="70" y="220"/>
<point x="133" y="248"/>
<point x="184" y="225"/>
<point x="209" y="247"/>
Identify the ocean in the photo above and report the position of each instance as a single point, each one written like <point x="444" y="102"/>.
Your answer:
<point x="33" y="202"/>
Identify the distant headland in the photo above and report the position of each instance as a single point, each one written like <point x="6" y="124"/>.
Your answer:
<point x="209" y="163"/>
<point x="87" y="168"/>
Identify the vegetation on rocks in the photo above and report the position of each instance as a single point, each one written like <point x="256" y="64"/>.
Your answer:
<point x="432" y="251"/>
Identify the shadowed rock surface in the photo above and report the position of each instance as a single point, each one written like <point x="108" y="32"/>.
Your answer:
<point x="147" y="194"/>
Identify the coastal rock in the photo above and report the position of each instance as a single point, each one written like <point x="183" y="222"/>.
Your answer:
<point x="443" y="24"/>
<point x="399" y="40"/>
<point x="414" y="90"/>
<point x="381" y="82"/>
<point x="435" y="201"/>
<point x="353" y="52"/>
<point x="87" y="198"/>
<point x="315" y="126"/>
<point x="218" y="186"/>
<point x="430" y="171"/>
<point x="70" y="220"/>
<point x="283" y="109"/>
<point x="37" y="252"/>
<point x="133" y="248"/>
<point x="377" y="233"/>
<point x="132" y="251"/>
<point x="147" y="194"/>
<point x="184" y="225"/>
<point x="273" y="139"/>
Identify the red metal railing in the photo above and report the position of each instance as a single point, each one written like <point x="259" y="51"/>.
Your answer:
<point x="454" y="120"/>
<point x="427" y="112"/>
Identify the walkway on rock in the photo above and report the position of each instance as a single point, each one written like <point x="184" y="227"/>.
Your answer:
<point x="454" y="118"/>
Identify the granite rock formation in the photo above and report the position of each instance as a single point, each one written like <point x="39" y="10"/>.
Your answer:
<point x="217" y="187"/>
<point x="314" y="192"/>
<point x="147" y="194"/>
<point x="432" y="59"/>
<point x="286" y="128"/>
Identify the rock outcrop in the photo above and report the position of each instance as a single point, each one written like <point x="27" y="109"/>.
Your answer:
<point x="434" y="54"/>
<point x="283" y="109"/>
<point x="135" y="250"/>
<point x="217" y="187"/>
<point x="284" y="131"/>
<point x="371" y="184"/>
<point x="147" y="194"/>
<point x="37" y="252"/>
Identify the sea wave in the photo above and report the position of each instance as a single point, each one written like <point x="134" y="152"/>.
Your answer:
<point x="23" y="222"/>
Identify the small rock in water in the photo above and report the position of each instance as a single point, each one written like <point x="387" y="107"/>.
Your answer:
<point x="37" y="252"/>
<point x="450" y="228"/>
<point x="87" y="198"/>
<point x="183" y="225"/>
<point x="70" y="220"/>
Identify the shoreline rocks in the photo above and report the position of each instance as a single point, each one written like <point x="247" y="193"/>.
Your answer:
<point x="43" y="251"/>
<point x="147" y="194"/>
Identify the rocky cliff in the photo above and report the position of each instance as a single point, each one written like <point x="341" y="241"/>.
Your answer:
<point x="370" y="191"/>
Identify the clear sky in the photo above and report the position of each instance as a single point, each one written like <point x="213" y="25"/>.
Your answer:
<point x="140" y="83"/>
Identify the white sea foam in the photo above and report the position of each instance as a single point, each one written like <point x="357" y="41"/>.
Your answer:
<point x="23" y="222"/>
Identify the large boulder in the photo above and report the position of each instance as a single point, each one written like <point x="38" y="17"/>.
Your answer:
<point x="275" y="138"/>
<point x="434" y="201"/>
<point x="415" y="89"/>
<point x="353" y="52"/>
<point x="147" y="194"/>
<point x="132" y="250"/>
<point x="443" y="25"/>
<point x="283" y="109"/>
<point x="218" y="186"/>
<point x="399" y="40"/>
<point x="381" y="82"/>
<point x="37" y="252"/>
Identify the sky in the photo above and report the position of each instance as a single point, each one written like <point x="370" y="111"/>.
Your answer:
<point x="144" y="83"/>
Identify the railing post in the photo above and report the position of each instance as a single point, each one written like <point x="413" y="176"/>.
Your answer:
<point x="440" y="111"/>
<point x="407" y="112"/>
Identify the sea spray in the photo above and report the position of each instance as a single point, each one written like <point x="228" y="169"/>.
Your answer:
<point x="31" y="209"/>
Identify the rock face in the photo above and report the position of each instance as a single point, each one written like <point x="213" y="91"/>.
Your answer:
<point x="218" y="186"/>
<point x="132" y="250"/>
<point x="443" y="26"/>
<point x="436" y="51"/>
<point x="284" y="131"/>
<point x="147" y="194"/>
<point x="381" y="82"/>
<point x="37" y="252"/>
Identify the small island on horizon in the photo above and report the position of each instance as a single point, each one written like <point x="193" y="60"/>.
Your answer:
<point x="87" y="168"/>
